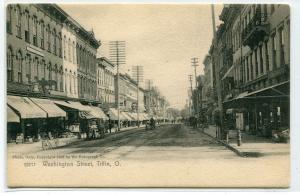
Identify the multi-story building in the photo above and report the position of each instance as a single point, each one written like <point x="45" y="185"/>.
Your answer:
<point x="45" y="50"/>
<point x="105" y="81"/>
<point x="34" y="49"/>
<point x="86" y="49"/>
<point x="128" y="94"/>
<point x="252" y="52"/>
<point x="69" y="58"/>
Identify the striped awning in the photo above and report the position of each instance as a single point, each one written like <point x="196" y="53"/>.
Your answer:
<point x="12" y="117"/>
<point x="49" y="107"/>
<point x="25" y="107"/>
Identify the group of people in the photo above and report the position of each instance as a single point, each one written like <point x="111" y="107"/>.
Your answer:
<point x="199" y="121"/>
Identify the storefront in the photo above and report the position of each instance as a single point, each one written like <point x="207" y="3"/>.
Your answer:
<point x="262" y="111"/>
<point x="32" y="118"/>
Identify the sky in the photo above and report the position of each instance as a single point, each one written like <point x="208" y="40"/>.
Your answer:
<point x="162" y="38"/>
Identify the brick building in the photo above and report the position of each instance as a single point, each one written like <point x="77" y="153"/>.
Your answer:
<point x="252" y="51"/>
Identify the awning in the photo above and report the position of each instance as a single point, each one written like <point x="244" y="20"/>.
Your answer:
<point x="12" y="117"/>
<point x="86" y="115"/>
<point x="128" y="118"/>
<point x="113" y="114"/>
<point x="66" y="104"/>
<point x="49" y="107"/>
<point x="267" y="88"/>
<point x="79" y="106"/>
<point x="96" y="111"/>
<point x="25" y="107"/>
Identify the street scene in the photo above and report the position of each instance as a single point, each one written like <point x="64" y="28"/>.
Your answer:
<point x="201" y="89"/>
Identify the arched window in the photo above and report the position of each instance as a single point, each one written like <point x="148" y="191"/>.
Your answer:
<point x="59" y="45"/>
<point x="74" y="52"/>
<point x="34" y="31"/>
<point x="65" y="45"/>
<point x="27" y="19"/>
<point x="54" y="42"/>
<point x="9" y="19"/>
<point x="69" y="50"/>
<point x="10" y="64"/>
<point x="19" y="66"/>
<point x="18" y="20"/>
<point x="56" y="76"/>
<point x="48" y="34"/>
<point x="42" y="34"/>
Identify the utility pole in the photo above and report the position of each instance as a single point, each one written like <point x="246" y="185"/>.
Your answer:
<point x="217" y="75"/>
<point x="138" y="75"/>
<point x="117" y="56"/>
<point x="191" y="83"/>
<point x="194" y="62"/>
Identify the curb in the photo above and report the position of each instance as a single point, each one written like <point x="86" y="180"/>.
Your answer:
<point x="236" y="151"/>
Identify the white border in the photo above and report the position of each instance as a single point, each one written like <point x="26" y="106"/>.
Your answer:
<point x="294" y="117"/>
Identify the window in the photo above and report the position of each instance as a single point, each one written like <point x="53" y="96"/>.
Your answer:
<point x="50" y="72"/>
<point x="69" y="50"/>
<point x="267" y="55"/>
<point x="261" y="60"/>
<point x="54" y="42"/>
<point x="281" y="40"/>
<point x="256" y="62"/>
<point x="59" y="45"/>
<point x="65" y="43"/>
<point x="9" y="19"/>
<point x="272" y="8"/>
<point x="56" y="77"/>
<point x="48" y="34"/>
<point x="10" y="65"/>
<point x="34" y="31"/>
<point x="19" y="67"/>
<point x="27" y="18"/>
<point x="18" y="19"/>
<point x="37" y="68"/>
<point x="42" y="34"/>
<point x="274" y="48"/>
<point x="44" y="70"/>
<point x="74" y="53"/>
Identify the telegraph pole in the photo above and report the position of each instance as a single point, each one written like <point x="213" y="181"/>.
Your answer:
<point x="117" y="56"/>
<point x="217" y="75"/>
<point x="137" y="74"/>
<point x="194" y="62"/>
<point x="191" y="82"/>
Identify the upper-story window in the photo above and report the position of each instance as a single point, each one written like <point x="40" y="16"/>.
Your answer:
<point x="281" y="41"/>
<point x="27" y="27"/>
<point x="9" y="19"/>
<point x="274" y="50"/>
<point x="42" y="34"/>
<point x="74" y="52"/>
<point x="48" y="34"/>
<point x="69" y="50"/>
<point x="59" y="45"/>
<point x="18" y="21"/>
<point x="19" y="67"/>
<point x="272" y="8"/>
<point x="34" y="31"/>
<point x="65" y="45"/>
<point x="10" y="65"/>
<point x="54" y="42"/>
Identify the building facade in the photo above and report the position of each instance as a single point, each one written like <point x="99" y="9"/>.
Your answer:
<point x="252" y="51"/>
<point x="106" y="81"/>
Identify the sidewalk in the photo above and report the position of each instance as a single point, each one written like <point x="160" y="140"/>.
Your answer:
<point x="252" y="146"/>
<point x="37" y="146"/>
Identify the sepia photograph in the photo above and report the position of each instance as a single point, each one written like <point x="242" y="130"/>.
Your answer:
<point x="147" y="95"/>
